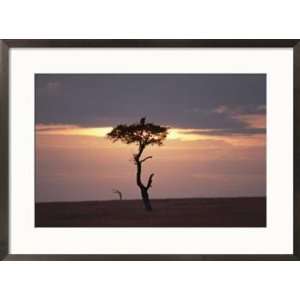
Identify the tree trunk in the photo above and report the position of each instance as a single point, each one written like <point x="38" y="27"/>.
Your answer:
<point x="143" y="188"/>
<point x="145" y="197"/>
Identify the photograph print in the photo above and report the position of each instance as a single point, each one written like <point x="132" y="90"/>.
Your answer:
<point x="150" y="150"/>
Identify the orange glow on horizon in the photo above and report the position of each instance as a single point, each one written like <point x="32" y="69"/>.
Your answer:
<point x="175" y="134"/>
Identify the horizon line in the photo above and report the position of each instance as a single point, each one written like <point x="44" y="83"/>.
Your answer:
<point x="153" y="199"/>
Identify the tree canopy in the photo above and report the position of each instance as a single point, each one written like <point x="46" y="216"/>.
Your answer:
<point x="139" y="133"/>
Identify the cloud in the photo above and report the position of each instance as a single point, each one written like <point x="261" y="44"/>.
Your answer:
<point x="53" y="85"/>
<point x="221" y="109"/>
<point x="253" y="121"/>
<point x="199" y="101"/>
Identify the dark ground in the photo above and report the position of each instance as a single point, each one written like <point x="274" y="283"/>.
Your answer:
<point x="201" y="212"/>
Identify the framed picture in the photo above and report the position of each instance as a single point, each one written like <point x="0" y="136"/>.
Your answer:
<point x="149" y="149"/>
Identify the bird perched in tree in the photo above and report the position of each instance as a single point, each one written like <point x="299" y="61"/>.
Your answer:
<point x="142" y="121"/>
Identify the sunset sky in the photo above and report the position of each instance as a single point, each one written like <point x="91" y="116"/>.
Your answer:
<point x="216" y="145"/>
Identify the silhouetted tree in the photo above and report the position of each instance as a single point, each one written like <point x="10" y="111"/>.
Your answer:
<point x="142" y="134"/>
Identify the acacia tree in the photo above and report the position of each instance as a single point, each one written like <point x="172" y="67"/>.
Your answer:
<point x="142" y="134"/>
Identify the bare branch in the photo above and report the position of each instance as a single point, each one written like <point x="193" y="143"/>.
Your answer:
<point x="150" y="181"/>
<point x="119" y="193"/>
<point x="135" y="158"/>
<point x="148" y="157"/>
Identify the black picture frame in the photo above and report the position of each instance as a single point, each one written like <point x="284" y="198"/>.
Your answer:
<point x="6" y="45"/>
